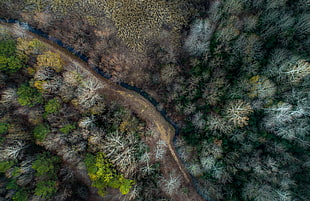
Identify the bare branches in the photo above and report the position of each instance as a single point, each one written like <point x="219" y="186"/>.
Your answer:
<point x="161" y="149"/>
<point x="87" y="93"/>
<point x="237" y="112"/>
<point x="197" y="42"/>
<point x="12" y="151"/>
<point x="121" y="150"/>
<point x="170" y="184"/>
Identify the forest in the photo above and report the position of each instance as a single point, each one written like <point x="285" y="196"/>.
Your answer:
<point x="233" y="75"/>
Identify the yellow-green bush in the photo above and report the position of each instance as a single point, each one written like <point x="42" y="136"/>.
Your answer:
<point x="51" y="59"/>
<point x="103" y="174"/>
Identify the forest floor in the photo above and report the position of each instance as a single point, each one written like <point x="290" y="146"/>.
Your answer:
<point x="142" y="108"/>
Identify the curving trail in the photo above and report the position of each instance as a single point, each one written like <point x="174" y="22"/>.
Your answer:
<point x="130" y="99"/>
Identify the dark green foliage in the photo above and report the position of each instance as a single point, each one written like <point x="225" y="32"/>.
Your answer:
<point x="8" y="60"/>
<point x="12" y="185"/>
<point x="7" y="48"/>
<point x="3" y="128"/>
<point x="10" y="64"/>
<point x="5" y="165"/>
<point x="53" y="106"/>
<point x="20" y="195"/>
<point x="40" y="131"/>
<point x="45" y="189"/>
<point x="67" y="129"/>
<point x="28" y="96"/>
<point x="46" y="165"/>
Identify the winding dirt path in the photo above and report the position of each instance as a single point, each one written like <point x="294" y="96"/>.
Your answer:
<point x="132" y="100"/>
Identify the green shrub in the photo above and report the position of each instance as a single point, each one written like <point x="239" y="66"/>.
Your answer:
<point x="50" y="59"/>
<point x="10" y="64"/>
<point x="53" y="106"/>
<point x="7" y="48"/>
<point x="67" y="129"/>
<point x="103" y="174"/>
<point x="46" y="165"/>
<point x="28" y="96"/>
<point x="40" y="131"/>
<point x="8" y="60"/>
<point x="45" y="189"/>
<point x="3" y="128"/>
<point x="5" y="165"/>
<point x="12" y="185"/>
<point x="20" y="195"/>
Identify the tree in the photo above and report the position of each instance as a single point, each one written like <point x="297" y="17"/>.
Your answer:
<point x="237" y="112"/>
<point x="8" y="97"/>
<point x="10" y="64"/>
<point x="217" y="123"/>
<point x="46" y="165"/>
<point x="51" y="59"/>
<point x="73" y="78"/>
<point x="261" y="87"/>
<point x="232" y="7"/>
<point x="28" y="96"/>
<point x="198" y="121"/>
<point x="228" y="31"/>
<point x="168" y="73"/>
<point x="87" y="93"/>
<point x="66" y="129"/>
<point x="53" y="106"/>
<point x="8" y="61"/>
<point x="297" y="71"/>
<point x="161" y="149"/>
<point x="195" y="169"/>
<point x="120" y="149"/>
<point x="20" y="195"/>
<point x="13" y="150"/>
<point x="7" y="48"/>
<point x="5" y="165"/>
<point x="3" y="127"/>
<point x="45" y="189"/>
<point x="26" y="47"/>
<point x="40" y="131"/>
<point x="103" y="174"/>
<point x="302" y="26"/>
<point x="198" y="41"/>
<point x="170" y="184"/>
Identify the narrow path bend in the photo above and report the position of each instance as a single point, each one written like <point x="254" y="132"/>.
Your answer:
<point x="134" y="101"/>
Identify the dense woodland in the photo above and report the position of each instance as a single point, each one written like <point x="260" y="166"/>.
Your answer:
<point x="55" y="125"/>
<point x="233" y="74"/>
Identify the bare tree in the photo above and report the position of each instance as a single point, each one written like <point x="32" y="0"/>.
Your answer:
<point x="161" y="149"/>
<point x="87" y="93"/>
<point x="207" y="162"/>
<point x="217" y="123"/>
<point x="237" y="112"/>
<point x="261" y="87"/>
<point x="73" y="78"/>
<point x="120" y="149"/>
<point x="87" y="122"/>
<point x="195" y="169"/>
<point x="170" y="184"/>
<point x="297" y="71"/>
<point x="198" y="121"/>
<point x="8" y="97"/>
<point x="197" y="42"/>
<point x="12" y="151"/>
